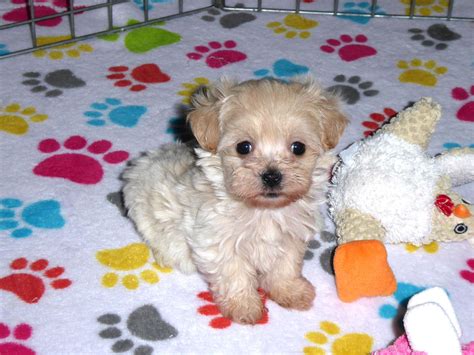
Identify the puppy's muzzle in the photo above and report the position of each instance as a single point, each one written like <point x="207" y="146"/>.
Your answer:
<point x="271" y="178"/>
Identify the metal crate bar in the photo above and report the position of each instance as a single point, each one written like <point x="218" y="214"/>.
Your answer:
<point x="110" y="15"/>
<point x="110" y="30"/>
<point x="31" y="11"/>
<point x="335" y="11"/>
<point x="71" y="12"/>
<point x="72" y="27"/>
<point x="34" y="19"/>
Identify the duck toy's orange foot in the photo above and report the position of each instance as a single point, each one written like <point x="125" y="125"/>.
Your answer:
<point x="362" y="270"/>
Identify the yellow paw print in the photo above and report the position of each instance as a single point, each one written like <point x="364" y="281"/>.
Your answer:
<point x="418" y="72"/>
<point x="133" y="257"/>
<point x="190" y="88"/>
<point x="293" y="25"/>
<point x="431" y="248"/>
<point x="72" y="50"/>
<point x="348" y="344"/>
<point x="14" y="119"/>
<point x="427" y="7"/>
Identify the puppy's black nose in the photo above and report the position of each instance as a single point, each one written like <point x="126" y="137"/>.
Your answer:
<point x="271" y="178"/>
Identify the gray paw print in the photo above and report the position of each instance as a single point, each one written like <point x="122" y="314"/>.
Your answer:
<point x="351" y="89"/>
<point x="52" y="82"/>
<point x="230" y="20"/>
<point x="325" y="259"/>
<point x="144" y="323"/>
<point x="435" y="36"/>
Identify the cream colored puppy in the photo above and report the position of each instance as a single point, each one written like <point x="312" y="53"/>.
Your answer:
<point x="241" y="208"/>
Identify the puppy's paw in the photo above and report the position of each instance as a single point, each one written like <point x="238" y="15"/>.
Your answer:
<point x="296" y="294"/>
<point x="243" y="310"/>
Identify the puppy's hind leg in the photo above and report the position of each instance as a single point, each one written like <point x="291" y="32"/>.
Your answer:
<point x="155" y="207"/>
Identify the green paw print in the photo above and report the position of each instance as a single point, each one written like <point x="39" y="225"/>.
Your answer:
<point x="144" y="39"/>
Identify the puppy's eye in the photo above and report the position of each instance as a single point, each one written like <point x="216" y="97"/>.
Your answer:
<point x="244" y="147"/>
<point x="298" y="148"/>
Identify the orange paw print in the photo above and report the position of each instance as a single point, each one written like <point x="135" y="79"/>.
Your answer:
<point x="377" y="120"/>
<point x="218" y="321"/>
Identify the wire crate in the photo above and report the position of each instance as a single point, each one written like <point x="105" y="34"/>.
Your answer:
<point x="73" y="8"/>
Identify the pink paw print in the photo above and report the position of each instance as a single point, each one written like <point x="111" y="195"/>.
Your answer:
<point x="348" y="48"/>
<point x="466" y="112"/>
<point x="21" y="333"/>
<point x="29" y="283"/>
<point x="48" y="8"/>
<point x="77" y="167"/>
<point x="218" y="55"/>
<point x="468" y="275"/>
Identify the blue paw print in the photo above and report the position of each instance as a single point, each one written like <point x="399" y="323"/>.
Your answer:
<point x="402" y="295"/>
<point x="3" y="49"/>
<point x="282" y="68"/>
<point x="42" y="214"/>
<point x="139" y="3"/>
<point x="359" y="8"/>
<point x="115" y="112"/>
<point x="452" y="145"/>
<point x="179" y="129"/>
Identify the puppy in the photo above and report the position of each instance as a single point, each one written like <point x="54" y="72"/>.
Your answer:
<point x="241" y="208"/>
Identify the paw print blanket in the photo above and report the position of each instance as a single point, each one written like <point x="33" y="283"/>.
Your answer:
<point x="75" y="278"/>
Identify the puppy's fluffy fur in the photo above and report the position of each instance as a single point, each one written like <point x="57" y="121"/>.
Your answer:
<point x="241" y="219"/>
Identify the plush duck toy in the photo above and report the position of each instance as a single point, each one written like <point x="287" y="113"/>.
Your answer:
<point x="386" y="189"/>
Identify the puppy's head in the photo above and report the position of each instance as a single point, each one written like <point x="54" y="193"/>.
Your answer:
<point x="269" y="135"/>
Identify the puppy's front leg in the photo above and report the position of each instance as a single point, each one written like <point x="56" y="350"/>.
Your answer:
<point x="284" y="283"/>
<point x="234" y="287"/>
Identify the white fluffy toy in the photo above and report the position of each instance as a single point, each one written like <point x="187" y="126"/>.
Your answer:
<point x="431" y="327"/>
<point x="387" y="189"/>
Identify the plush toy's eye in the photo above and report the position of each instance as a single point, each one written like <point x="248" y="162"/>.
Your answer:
<point x="244" y="147"/>
<point x="460" y="228"/>
<point x="298" y="148"/>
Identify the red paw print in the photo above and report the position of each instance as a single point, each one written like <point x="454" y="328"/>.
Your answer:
<point x="377" y="120"/>
<point x="143" y="74"/>
<point x="77" y="167"/>
<point x="21" y="333"/>
<point x="468" y="275"/>
<point x="29" y="283"/>
<point x="220" y="322"/>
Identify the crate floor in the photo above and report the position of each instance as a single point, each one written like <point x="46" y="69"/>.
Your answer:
<point x="75" y="277"/>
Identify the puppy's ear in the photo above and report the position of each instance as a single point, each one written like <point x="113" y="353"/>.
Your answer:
<point x="204" y="117"/>
<point x="326" y="106"/>
<point x="333" y="121"/>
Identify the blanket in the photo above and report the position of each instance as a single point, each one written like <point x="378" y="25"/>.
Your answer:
<point x="75" y="277"/>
